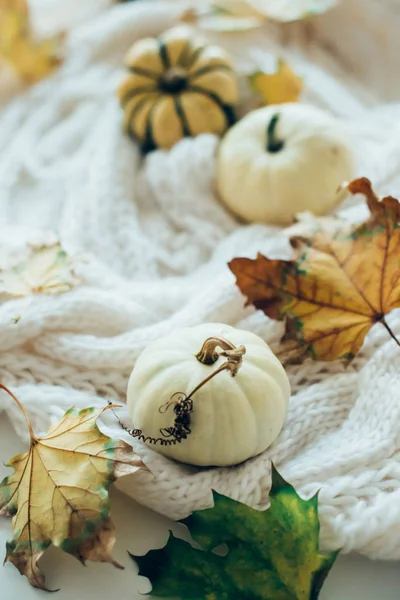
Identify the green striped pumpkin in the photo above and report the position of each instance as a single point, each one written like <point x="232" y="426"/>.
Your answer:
<point x="177" y="86"/>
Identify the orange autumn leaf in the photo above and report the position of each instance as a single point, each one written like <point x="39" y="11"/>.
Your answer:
<point x="336" y="287"/>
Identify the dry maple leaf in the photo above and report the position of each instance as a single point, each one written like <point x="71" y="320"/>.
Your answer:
<point x="46" y="270"/>
<point x="31" y="58"/>
<point x="336" y="287"/>
<point x="279" y="87"/>
<point x="58" y="492"/>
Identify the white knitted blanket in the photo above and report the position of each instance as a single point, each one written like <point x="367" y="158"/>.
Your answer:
<point x="158" y="243"/>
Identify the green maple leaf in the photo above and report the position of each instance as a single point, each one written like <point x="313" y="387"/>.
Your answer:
<point x="273" y="554"/>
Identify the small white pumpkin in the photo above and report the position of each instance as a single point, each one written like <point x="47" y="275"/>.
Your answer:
<point x="235" y="413"/>
<point x="282" y="160"/>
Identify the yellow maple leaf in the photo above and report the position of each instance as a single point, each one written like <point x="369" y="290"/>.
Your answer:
<point x="336" y="287"/>
<point x="48" y="269"/>
<point x="31" y="58"/>
<point x="276" y="88"/>
<point x="58" y="493"/>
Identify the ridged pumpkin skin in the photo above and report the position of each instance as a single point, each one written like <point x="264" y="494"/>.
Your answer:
<point x="177" y="86"/>
<point x="233" y="418"/>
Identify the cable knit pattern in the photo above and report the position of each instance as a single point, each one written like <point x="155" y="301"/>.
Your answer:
<point x="156" y="243"/>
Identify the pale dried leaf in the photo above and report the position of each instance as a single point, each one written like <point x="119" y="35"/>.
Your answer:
<point x="58" y="493"/>
<point x="48" y="269"/>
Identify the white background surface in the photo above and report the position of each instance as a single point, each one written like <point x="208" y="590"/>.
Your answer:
<point x="139" y="530"/>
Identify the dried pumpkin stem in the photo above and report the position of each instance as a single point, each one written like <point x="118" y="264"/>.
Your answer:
<point x="28" y="421"/>
<point x="209" y="354"/>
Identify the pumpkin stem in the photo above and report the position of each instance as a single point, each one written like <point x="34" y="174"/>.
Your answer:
<point x="173" y="81"/>
<point x="209" y="355"/>
<point x="273" y="143"/>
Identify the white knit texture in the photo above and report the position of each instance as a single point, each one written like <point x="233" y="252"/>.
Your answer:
<point x="158" y="242"/>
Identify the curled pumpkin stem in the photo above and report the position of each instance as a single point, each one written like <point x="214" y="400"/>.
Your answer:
<point x="209" y="354"/>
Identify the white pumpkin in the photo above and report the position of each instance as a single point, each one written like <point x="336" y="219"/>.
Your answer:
<point x="236" y="414"/>
<point x="282" y="160"/>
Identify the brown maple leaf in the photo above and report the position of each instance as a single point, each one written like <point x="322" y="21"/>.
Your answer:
<point x="336" y="287"/>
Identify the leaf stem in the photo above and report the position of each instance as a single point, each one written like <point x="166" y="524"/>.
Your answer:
<point x="14" y="397"/>
<point x="386" y="326"/>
